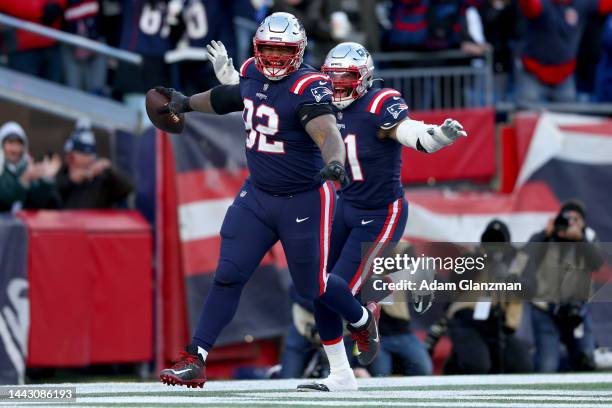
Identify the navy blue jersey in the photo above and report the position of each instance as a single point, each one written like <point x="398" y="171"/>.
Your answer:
<point x="373" y="164"/>
<point x="144" y="27"/>
<point x="282" y="158"/>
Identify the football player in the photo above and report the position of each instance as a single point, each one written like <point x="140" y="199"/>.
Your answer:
<point x="374" y="124"/>
<point x="293" y="150"/>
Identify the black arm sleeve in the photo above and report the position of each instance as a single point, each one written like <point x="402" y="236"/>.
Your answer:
<point x="226" y="98"/>
<point x="309" y="112"/>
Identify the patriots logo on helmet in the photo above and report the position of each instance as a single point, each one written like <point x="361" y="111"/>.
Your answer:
<point x="320" y="91"/>
<point x="396" y="109"/>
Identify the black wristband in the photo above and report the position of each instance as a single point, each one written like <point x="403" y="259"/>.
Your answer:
<point x="186" y="106"/>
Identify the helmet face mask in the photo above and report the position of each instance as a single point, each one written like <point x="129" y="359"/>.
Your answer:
<point x="276" y="60"/>
<point x="347" y="84"/>
<point x="279" y="45"/>
<point x="351" y="69"/>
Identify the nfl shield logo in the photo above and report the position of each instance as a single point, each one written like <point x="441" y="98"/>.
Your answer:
<point x="265" y="87"/>
<point x="339" y="115"/>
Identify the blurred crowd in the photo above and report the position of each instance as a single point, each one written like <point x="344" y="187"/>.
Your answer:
<point x="543" y="50"/>
<point x="81" y="180"/>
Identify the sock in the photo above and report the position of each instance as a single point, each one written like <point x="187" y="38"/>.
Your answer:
<point x="203" y="353"/>
<point x="339" y="298"/>
<point x="219" y="309"/>
<point x="363" y="320"/>
<point x="338" y="361"/>
<point x="329" y="323"/>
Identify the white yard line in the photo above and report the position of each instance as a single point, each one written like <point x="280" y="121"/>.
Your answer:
<point x="270" y="385"/>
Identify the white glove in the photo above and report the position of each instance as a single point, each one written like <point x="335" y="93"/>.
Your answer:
<point x="448" y="132"/>
<point x="223" y="66"/>
<point x="431" y="137"/>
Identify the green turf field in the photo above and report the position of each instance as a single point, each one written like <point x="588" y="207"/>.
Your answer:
<point x="502" y="391"/>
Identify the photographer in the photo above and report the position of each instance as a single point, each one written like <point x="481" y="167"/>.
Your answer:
<point x="565" y="254"/>
<point x="482" y="326"/>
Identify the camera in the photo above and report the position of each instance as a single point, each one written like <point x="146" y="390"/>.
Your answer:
<point x="562" y="221"/>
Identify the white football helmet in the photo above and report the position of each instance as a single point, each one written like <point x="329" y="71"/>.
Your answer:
<point x="351" y="69"/>
<point x="285" y="33"/>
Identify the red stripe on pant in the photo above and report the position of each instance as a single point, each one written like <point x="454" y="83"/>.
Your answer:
<point x="327" y="209"/>
<point x="386" y="234"/>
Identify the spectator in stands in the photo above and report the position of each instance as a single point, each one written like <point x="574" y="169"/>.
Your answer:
<point x="565" y="254"/>
<point x="482" y="330"/>
<point x="86" y="181"/>
<point x="603" y="88"/>
<point x="145" y="30"/>
<point x="83" y="69"/>
<point x="33" y="53"/>
<point x="399" y="346"/>
<point x="324" y="21"/>
<point x="550" y="47"/>
<point x="589" y="53"/>
<point x="501" y="30"/>
<point x="23" y="183"/>
<point x="430" y="25"/>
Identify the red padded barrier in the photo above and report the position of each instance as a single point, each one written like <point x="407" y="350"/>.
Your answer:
<point x="509" y="159"/>
<point x="472" y="158"/>
<point x="90" y="275"/>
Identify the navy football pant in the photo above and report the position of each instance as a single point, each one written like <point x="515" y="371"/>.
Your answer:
<point x="253" y="224"/>
<point x="351" y="228"/>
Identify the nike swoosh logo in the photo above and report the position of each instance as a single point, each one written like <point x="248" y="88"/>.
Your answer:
<point x="364" y="222"/>
<point x="181" y="371"/>
<point x="322" y="82"/>
<point x="298" y="220"/>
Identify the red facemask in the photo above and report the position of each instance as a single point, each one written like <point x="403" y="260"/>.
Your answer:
<point x="276" y="66"/>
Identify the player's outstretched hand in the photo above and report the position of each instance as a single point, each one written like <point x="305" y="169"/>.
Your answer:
<point x="452" y="130"/>
<point x="334" y="171"/>
<point x="223" y="66"/>
<point x="179" y="103"/>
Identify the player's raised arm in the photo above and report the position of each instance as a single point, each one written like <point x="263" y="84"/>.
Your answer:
<point x="324" y="131"/>
<point x="221" y="99"/>
<point x="423" y="137"/>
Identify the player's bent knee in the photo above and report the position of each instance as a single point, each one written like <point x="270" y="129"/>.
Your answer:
<point x="307" y="291"/>
<point x="229" y="275"/>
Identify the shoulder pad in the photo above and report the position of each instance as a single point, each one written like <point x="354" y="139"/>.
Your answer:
<point x="301" y="82"/>
<point x="379" y="99"/>
<point x="246" y="65"/>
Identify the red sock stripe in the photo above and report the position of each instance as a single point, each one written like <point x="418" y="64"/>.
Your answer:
<point x="331" y="342"/>
<point x="385" y="235"/>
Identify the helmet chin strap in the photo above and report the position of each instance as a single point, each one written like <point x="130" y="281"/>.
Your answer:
<point x="343" y="104"/>
<point x="277" y="77"/>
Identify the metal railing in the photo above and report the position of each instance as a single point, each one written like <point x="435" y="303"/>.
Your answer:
<point x="438" y="80"/>
<point x="71" y="39"/>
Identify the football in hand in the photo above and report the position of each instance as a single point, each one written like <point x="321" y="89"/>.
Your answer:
<point x="168" y="122"/>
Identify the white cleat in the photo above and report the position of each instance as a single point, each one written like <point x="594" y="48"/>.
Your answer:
<point x="333" y="383"/>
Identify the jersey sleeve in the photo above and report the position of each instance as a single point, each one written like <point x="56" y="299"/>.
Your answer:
<point x="312" y="88"/>
<point x="388" y="108"/>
